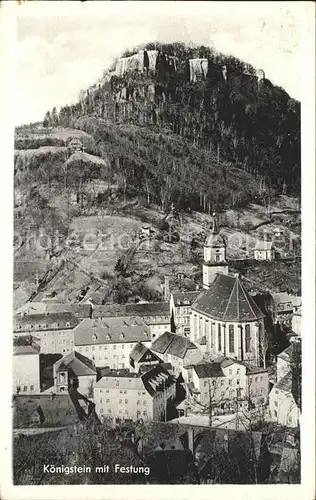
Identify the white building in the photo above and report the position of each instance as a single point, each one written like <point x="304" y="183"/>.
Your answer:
<point x="285" y="396"/>
<point x="74" y="370"/>
<point x="264" y="250"/>
<point x="26" y="370"/>
<point x="180" y="308"/>
<point x="226" y="383"/>
<point x="128" y="396"/>
<point x="109" y="341"/>
<point x="55" y="330"/>
<point x="155" y="314"/>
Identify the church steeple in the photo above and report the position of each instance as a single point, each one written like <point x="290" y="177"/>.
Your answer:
<point x="214" y="224"/>
<point x="214" y="255"/>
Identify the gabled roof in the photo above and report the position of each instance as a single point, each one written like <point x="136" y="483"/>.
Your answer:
<point x="25" y="349"/>
<point x="159" y="309"/>
<point x="52" y="307"/>
<point x="77" y="363"/>
<point x="171" y="343"/>
<point x="53" y="321"/>
<point x="112" y="330"/>
<point x="227" y="300"/>
<point x="208" y="370"/>
<point x="140" y="351"/>
<point x="264" y="245"/>
<point x="184" y="298"/>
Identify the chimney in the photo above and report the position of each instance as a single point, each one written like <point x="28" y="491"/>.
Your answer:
<point x="167" y="289"/>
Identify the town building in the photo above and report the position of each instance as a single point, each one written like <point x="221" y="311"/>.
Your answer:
<point x="264" y="250"/>
<point x="214" y="256"/>
<point x="284" y="305"/>
<point x="155" y="314"/>
<point x="285" y="396"/>
<point x="26" y="370"/>
<point x="55" y="331"/>
<point x="142" y="357"/>
<point x="131" y="397"/>
<point x="74" y="370"/>
<point x="109" y="341"/>
<point x="180" y="308"/>
<point x="230" y="320"/>
<point x="227" y="385"/>
<point x="177" y="350"/>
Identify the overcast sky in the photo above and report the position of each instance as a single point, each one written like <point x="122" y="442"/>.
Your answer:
<point x="63" y="47"/>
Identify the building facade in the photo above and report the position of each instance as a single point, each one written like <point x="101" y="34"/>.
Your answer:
<point x="109" y="341"/>
<point x="55" y="331"/>
<point x="228" y="385"/>
<point x="132" y="397"/>
<point x="26" y="370"/>
<point x="180" y="310"/>
<point x="264" y="250"/>
<point x="74" y="370"/>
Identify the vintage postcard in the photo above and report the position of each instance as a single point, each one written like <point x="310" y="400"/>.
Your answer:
<point x="159" y="330"/>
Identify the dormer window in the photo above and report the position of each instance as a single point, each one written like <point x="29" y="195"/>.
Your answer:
<point x="94" y="337"/>
<point x="108" y="337"/>
<point x="122" y="336"/>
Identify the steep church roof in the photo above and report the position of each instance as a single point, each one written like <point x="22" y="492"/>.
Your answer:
<point x="227" y="300"/>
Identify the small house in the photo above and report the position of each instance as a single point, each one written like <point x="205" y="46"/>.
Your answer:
<point x="264" y="250"/>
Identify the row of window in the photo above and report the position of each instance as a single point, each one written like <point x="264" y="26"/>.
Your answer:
<point x="126" y="412"/>
<point x="25" y="388"/>
<point x="39" y="326"/>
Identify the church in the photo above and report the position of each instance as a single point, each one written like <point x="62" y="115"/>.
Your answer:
<point x="225" y="314"/>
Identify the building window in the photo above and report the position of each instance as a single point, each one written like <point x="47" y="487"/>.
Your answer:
<point x="219" y="336"/>
<point x="231" y="338"/>
<point x="107" y="401"/>
<point x="25" y="388"/>
<point x="32" y="388"/>
<point x="275" y="413"/>
<point x="247" y="338"/>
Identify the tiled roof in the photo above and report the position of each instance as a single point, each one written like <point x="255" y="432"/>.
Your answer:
<point x="112" y="330"/>
<point x="208" y="370"/>
<point x="141" y="310"/>
<point x="139" y="352"/>
<point x="49" y="307"/>
<point x="170" y="343"/>
<point x="185" y="298"/>
<point x="227" y="300"/>
<point x="53" y="321"/>
<point x="77" y="363"/>
<point x="285" y="384"/>
<point x="263" y="245"/>
<point x="283" y="297"/>
<point x="25" y="349"/>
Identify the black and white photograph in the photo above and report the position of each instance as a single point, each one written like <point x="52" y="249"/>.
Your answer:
<point x="157" y="331"/>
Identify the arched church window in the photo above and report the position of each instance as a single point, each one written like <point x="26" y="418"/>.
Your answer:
<point x="247" y="338"/>
<point x="231" y="338"/>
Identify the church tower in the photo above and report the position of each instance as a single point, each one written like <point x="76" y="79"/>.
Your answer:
<point x="214" y="256"/>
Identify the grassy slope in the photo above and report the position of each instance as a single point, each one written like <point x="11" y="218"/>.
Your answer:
<point x="124" y="219"/>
